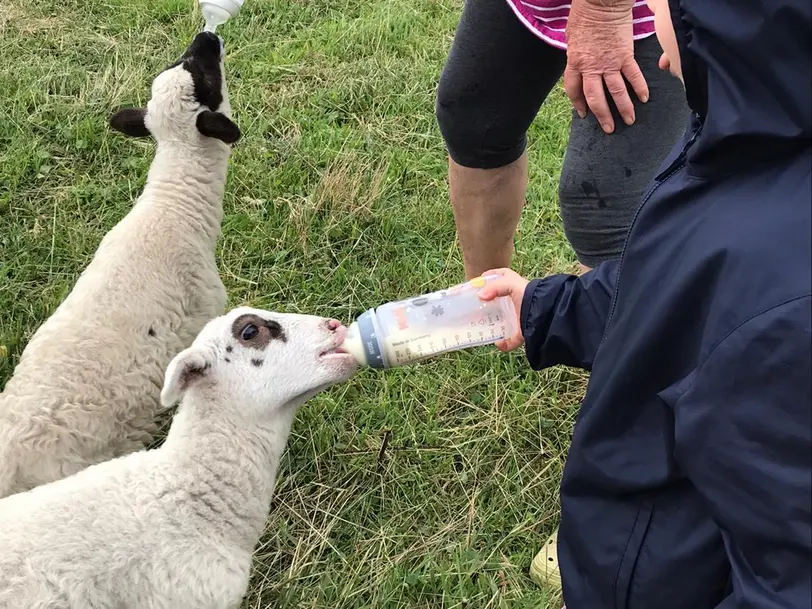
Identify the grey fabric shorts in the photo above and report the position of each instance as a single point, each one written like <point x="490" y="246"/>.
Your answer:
<point x="495" y="79"/>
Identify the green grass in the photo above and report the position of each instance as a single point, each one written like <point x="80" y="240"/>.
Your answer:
<point x="336" y="202"/>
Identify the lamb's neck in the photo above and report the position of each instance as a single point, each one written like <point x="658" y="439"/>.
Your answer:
<point x="234" y="462"/>
<point x="191" y="181"/>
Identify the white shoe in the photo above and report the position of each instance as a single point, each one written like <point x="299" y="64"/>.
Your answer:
<point x="544" y="568"/>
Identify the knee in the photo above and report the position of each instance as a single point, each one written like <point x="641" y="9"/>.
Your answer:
<point x="595" y="222"/>
<point x="575" y="189"/>
<point x="461" y="135"/>
<point x="466" y="122"/>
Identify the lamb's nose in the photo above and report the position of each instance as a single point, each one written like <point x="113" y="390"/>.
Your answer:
<point x="333" y="325"/>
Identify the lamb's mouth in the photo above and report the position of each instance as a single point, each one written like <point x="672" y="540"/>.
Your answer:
<point x="336" y="350"/>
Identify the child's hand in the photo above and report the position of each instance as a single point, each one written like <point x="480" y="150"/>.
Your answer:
<point x="509" y="284"/>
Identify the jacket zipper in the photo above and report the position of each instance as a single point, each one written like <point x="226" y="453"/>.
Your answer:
<point x="678" y="164"/>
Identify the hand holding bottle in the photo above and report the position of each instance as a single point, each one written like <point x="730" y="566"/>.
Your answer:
<point x="512" y="285"/>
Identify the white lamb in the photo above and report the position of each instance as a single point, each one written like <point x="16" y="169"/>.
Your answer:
<point x="175" y="527"/>
<point x="87" y="386"/>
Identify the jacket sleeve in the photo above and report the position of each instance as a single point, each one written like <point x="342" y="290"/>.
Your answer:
<point x="743" y="434"/>
<point x="563" y="317"/>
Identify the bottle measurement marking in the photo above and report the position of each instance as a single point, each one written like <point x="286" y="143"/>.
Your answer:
<point x="407" y="350"/>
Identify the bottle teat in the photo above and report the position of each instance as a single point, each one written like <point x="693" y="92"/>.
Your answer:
<point x="353" y="343"/>
<point x="217" y="12"/>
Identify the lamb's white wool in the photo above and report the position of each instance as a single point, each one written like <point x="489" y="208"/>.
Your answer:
<point x="176" y="526"/>
<point x="87" y="385"/>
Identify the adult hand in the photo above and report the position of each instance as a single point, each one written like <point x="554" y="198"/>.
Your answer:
<point x="509" y="284"/>
<point x="600" y="49"/>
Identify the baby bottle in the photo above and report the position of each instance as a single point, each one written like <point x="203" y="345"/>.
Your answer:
<point x="406" y="331"/>
<point x="217" y="12"/>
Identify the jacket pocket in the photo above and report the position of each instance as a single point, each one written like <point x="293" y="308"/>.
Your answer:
<point x="628" y="562"/>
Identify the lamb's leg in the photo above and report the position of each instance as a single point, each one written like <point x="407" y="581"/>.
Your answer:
<point x="217" y="298"/>
<point x="8" y="479"/>
<point x="43" y="468"/>
<point x="207" y="300"/>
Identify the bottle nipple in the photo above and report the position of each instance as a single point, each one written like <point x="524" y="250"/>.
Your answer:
<point x="354" y="345"/>
<point x="217" y="12"/>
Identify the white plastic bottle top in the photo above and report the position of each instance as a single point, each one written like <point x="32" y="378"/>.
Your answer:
<point x="407" y="331"/>
<point x="217" y="12"/>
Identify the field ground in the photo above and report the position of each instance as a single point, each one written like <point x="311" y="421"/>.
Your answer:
<point x="336" y="202"/>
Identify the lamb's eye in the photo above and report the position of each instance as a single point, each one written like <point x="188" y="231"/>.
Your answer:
<point x="249" y="332"/>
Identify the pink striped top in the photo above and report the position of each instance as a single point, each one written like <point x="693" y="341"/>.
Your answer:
<point x="547" y="19"/>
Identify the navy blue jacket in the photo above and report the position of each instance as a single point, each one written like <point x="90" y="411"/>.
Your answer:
<point x="689" y="480"/>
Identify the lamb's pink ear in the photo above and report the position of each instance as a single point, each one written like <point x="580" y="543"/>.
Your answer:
<point x="130" y="121"/>
<point x="187" y="369"/>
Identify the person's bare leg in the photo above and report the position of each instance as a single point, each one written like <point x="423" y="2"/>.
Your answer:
<point x="487" y="207"/>
<point x="582" y="268"/>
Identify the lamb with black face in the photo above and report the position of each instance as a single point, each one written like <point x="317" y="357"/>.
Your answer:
<point x="191" y="94"/>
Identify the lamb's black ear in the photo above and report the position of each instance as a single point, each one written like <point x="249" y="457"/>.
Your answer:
<point x="218" y="125"/>
<point x="130" y="121"/>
